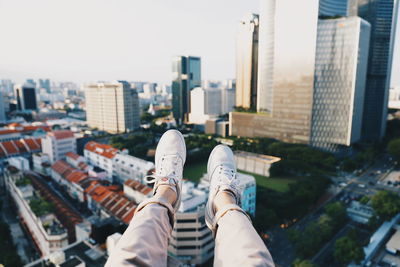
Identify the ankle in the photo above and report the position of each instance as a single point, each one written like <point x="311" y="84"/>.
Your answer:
<point x="166" y="192"/>
<point x="223" y="198"/>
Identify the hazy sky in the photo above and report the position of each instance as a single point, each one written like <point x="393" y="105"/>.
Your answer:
<point x="88" y="40"/>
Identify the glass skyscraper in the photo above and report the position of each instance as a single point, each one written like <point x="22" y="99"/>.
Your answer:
<point x="339" y="85"/>
<point x="379" y="13"/>
<point x="186" y="76"/>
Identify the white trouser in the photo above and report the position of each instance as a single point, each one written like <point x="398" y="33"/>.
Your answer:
<point x="145" y="242"/>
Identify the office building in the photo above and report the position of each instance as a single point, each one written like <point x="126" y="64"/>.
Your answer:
<point x="205" y="104"/>
<point x="247" y="62"/>
<point x="333" y="8"/>
<point x="340" y="80"/>
<point x="45" y="84"/>
<point x="57" y="144"/>
<point x="380" y="15"/>
<point x="228" y="100"/>
<point x="112" y="107"/>
<point x="26" y="96"/>
<point x="186" y="72"/>
<point x="287" y="50"/>
<point x="191" y="241"/>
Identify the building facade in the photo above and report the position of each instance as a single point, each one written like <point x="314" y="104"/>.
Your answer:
<point x="102" y="156"/>
<point x="127" y="167"/>
<point x="247" y="61"/>
<point x="286" y="73"/>
<point x="46" y="231"/>
<point x="340" y="80"/>
<point x="379" y="13"/>
<point x="191" y="241"/>
<point x="186" y="72"/>
<point x="26" y="96"/>
<point x="112" y="107"/>
<point x="58" y="143"/>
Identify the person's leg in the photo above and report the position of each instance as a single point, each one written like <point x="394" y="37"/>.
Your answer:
<point x="236" y="241"/>
<point x="145" y="242"/>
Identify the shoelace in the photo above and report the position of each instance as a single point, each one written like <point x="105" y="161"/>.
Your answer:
<point x="227" y="175"/>
<point x="168" y="169"/>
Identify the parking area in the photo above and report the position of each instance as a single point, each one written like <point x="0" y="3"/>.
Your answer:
<point x="392" y="179"/>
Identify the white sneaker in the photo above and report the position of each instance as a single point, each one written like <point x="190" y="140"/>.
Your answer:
<point x="169" y="160"/>
<point x="221" y="170"/>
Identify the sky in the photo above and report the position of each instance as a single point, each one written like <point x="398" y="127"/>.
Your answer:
<point x="135" y="40"/>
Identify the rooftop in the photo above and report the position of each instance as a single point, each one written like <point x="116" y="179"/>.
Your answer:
<point x="101" y="149"/>
<point x="59" y="135"/>
<point x="137" y="186"/>
<point x="258" y="157"/>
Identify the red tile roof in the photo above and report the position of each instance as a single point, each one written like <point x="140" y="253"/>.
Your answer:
<point x="10" y="148"/>
<point x="101" y="149"/>
<point x="137" y="186"/>
<point x="61" y="134"/>
<point x="72" y="155"/>
<point x="114" y="203"/>
<point x="17" y="147"/>
<point x="33" y="144"/>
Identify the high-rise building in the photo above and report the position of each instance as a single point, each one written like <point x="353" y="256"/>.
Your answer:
<point x="44" y="84"/>
<point x="340" y="78"/>
<point x="247" y="62"/>
<point x="228" y="100"/>
<point x="287" y="47"/>
<point x="395" y="77"/>
<point x="112" y="107"/>
<point x="206" y="104"/>
<point x="26" y="96"/>
<point x="332" y="8"/>
<point x="379" y="13"/>
<point x="186" y="76"/>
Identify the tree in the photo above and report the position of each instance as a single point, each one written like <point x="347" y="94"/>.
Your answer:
<point x="348" y="249"/>
<point x="337" y="212"/>
<point x="394" y="148"/>
<point x="385" y="204"/>
<point x="303" y="263"/>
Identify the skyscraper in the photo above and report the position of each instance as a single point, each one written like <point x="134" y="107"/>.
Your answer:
<point x="287" y="47"/>
<point x="379" y="13"/>
<point x="112" y="107"/>
<point x="45" y="84"/>
<point x="25" y="96"/>
<point x="247" y="62"/>
<point x="339" y="86"/>
<point x="310" y="90"/>
<point x="186" y="73"/>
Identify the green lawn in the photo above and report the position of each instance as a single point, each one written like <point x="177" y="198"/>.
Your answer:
<point x="195" y="171"/>
<point x="280" y="184"/>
